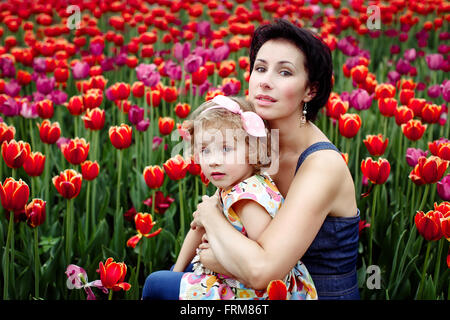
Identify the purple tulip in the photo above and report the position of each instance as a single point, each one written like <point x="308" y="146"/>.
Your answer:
<point x="443" y="188"/>
<point x="192" y="63"/>
<point x="221" y="53"/>
<point x="143" y="125"/>
<point x="12" y="88"/>
<point x="231" y="89"/>
<point x="45" y="85"/>
<point x="443" y="49"/>
<point x="121" y="59"/>
<point x="28" y="110"/>
<point x="10" y="108"/>
<point x="107" y="64"/>
<point x="395" y="48"/>
<point x="434" y="91"/>
<point x="205" y="53"/>
<point x="96" y="48"/>
<point x="410" y="54"/>
<point x="58" y="97"/>
<point x="135" y="114"/>
<point x="7" y="68"/>
<point x="181" y="51"/>
<point x="403" y="66"/>
<point x="61" y="141"/>
<point x="445" y="87"/>
<point x="173" y="70"/>
<point x="40" y="65"/>
<point x="413" y="155"/>
<point x="109" y="95"/>
<point x="156" y="142"/>
<point x="204" y="29"/>
<point x="421" y="86"/>
<point x="393" y="77"/>
<point x="360" y="99"/>
<point x="434" y="61"/>
<point x="148" y="74"/>
<point x="80" y="70"/>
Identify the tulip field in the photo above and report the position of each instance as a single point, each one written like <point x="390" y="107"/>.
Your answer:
<point x="95" y="190"/>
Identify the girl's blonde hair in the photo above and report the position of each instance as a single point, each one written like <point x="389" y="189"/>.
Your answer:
<point x="257" y="148"/>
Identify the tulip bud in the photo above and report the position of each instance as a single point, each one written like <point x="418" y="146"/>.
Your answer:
<point x="35" y="212"/>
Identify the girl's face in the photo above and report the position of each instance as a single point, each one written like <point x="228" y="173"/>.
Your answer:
<point x="222" y="157"/>
<point x="278" y="83"/>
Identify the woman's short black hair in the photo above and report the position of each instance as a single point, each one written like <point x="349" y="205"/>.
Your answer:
<point x="318" y="62"/>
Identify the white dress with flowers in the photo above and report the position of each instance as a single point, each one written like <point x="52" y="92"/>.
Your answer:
<point x="214" y="286"/>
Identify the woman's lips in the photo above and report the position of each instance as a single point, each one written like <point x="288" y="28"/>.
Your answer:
<point x="264" y="100"/>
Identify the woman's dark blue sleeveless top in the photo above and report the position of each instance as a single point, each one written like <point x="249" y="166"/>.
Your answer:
<point x="331" y="258"/>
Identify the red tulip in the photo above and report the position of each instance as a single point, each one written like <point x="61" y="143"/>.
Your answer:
<point x="166" y="125"/>
<point x="406" y="95"/>
<point x="90" y="170"/>
<point x="445" y="227"/>
<point x="431" y="113"/>
<point x="384" y="90"/>
<point x="112" y="275"/>
<point x="194" y="168"/>
<point x="35" y="212"/>
<point x="403" y="114"/>
<point x="45" y="109"/>
<point x="162" y="203"/>
<point x="49" y="132"/>
<point x="443" y="207"/>
<point x="175" y="167"/>
<point x="182" y="110"/>
<point x="336" y="107"/>
<point x="75" y="105"/>
<point x="120" y="91"/>
<point x="68" y="183"/>
<point x="443" y="151"/>
<point x="359" y="73"/>
<point x="429" y="225"/>
<point x="349" y="124"/>
<point x="428" y="170"/>
<point x="15" y="153"/>
<point x="200" y="76"/>
<point x="170" y="94"/>
<point x="92" y="98"/>
<point x="155" y="98"/>
<point x="34" y="164"/>
<point x="276" y="290"/>
<point x="413" y="129"/>
<point x="144" y="225"/>
<point x="416" y="105"/>
<point x="377" y="172"/>
<point x="153" y="176"/>
<point x="138" y="89"/>
<point x="387" y="106"/>
<point x="75" y="151"/>
<point x="121" y="136"/>
<point x="14" y="194"/>
<point x="375" y="144"/>
<point x="94" y="119"/>
<point x="7" y="133"/>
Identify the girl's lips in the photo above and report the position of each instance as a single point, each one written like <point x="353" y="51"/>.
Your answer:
<point x="217" y="175"/>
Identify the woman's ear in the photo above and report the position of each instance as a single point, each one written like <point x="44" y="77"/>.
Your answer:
<point x="311" y="91"/>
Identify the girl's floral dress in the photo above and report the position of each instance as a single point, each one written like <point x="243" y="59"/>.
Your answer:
<point x="214" y="286"/>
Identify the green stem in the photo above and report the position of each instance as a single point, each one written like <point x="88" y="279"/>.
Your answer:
<point x="153" y="201"/>
<point x="438" y="261"/>
<point x="7" y="265"/>
<point x="419" y="294"/>
<point x="68" y="231"/>
<point x="372" y="221"/>
<point x="110" y="294"/>
<point x="180" y="193"/>
<point x="137" y="268"/>
<point x="36" y="264"/>
<point x="86" y="221"/>
<point x="424" y="198"/>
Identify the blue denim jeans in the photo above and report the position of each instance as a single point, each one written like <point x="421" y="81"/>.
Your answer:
<point x="163" y="285"/>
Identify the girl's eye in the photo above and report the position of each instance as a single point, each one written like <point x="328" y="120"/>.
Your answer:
<point x="227" y="149"/>
<point x="205" y="151"/>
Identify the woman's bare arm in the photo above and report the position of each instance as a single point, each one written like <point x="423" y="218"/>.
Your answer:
<point x="310" y="198"/>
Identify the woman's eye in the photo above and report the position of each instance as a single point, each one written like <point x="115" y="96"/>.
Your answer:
<point x="285" y="73"/>
<point x="260" y="69"/>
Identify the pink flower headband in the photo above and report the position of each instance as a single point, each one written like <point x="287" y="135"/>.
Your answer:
<point x="251" y="122"/>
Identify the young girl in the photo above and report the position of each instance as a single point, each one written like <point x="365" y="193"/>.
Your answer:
<point x="228" y="140"/>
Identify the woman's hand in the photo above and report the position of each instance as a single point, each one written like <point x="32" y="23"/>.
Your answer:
<point x="208" y="206"/>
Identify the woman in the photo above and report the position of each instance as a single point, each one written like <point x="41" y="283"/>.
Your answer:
<point x="290" y="80"/>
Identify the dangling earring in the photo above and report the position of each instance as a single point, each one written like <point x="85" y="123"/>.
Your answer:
<point x="303" y="117"/>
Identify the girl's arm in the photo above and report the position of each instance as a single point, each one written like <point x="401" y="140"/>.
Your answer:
<point x="310" y="198"/>
<point x="190" y="244"/>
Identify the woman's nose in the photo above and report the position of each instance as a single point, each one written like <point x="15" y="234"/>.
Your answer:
<point x="265" y="81"/>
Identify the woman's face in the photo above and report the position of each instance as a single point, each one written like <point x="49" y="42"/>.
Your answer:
<point x="278" y="83"/>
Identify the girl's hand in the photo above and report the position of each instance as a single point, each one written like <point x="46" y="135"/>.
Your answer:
<point x="208" y="206"/>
